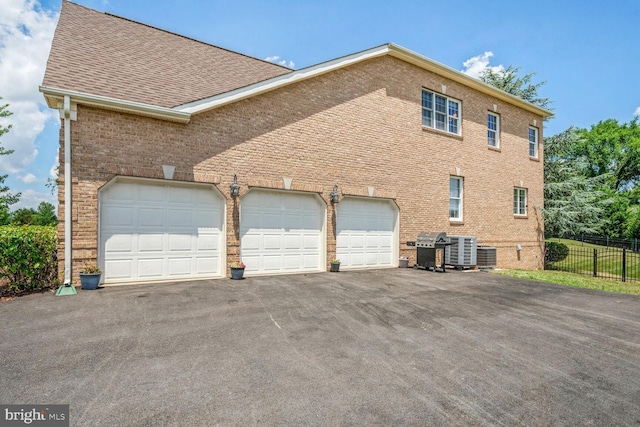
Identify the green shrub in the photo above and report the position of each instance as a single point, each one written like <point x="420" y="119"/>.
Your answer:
<point x="554" y="252"/>
<point x="28" y="257"/>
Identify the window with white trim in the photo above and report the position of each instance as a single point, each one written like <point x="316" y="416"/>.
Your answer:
<point x="520" y="201"/>
<point x="493" y="130"/>
<point x="533" y="142"/>
<point x="455" y="198"/>
<point x="440" y="112"/>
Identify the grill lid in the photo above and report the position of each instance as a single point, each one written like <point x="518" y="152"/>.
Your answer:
<point x="429" y="240"/>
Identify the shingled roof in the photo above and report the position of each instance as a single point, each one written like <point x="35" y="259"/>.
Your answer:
<point x="102" y="54"/>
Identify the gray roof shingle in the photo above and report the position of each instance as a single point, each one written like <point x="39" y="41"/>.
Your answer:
<point x="102" y="54"/>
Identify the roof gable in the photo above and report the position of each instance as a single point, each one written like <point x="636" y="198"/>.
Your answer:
<point x="113" y="57"/>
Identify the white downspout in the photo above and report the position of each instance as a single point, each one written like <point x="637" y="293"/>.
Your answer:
<point x="67" y="190"/>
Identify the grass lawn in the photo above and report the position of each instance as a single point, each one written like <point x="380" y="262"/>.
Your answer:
<point x="572" y="279"/>
<point x="609" y="260"/>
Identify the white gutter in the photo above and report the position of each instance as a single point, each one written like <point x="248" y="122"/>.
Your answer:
<point x="67" y="189"/>
<point x="54" y="95"/>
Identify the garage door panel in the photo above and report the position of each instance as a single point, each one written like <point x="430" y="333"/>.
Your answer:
<point x="180" y="196"/>
<point x="180" y="242"/>
<point x="179" y="266"/>
<point x="118" y="269"/>
<point x="118" y="243"/>
<point x="207" y="219"/>
<point x="208" y="242"/>
<point x="150" y="242"/>
<point x="164" y="231"/>
<point x="291" y="261"/>
<point x="118" y="216"/>
<point x="206" y="265"/>
<point x="292" y="242"/>
<point x="150" y="267"/>
<point x="272" y="242"/>
<point x="151" y="193"/>
<point x="151" y="217"/>
<point x="311" y="242"/>
<point x="123" y="192"/>
<point x="272" y="263"/>
<point x="289" y="226"/>
<point x="180" y="218"/>
<point x="365" y="233"/>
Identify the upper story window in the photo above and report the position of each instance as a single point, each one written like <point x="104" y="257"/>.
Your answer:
<point x="533" y="142"/>
<point x="440" y="112"/>
<point x="455" y="198"/>
<point x="520" y="201"/>
<point x="493" y="130"/>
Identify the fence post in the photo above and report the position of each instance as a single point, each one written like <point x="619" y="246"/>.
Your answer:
<point x="595" y="262"/>
<point x="624" y="265"/>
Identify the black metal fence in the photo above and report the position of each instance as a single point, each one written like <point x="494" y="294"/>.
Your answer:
<point x="608" y="263"/>
<point x="609" y="242"/>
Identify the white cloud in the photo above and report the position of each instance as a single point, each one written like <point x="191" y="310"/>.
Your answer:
<point x="32" y="198"/>
<point x="475" y="66"/>
<point x="53" y="172"/>
<point x="637" y="112"/>
<point x="28" y="178"/>
<point x="282" y="62"/>
<point x="26" y="31"/>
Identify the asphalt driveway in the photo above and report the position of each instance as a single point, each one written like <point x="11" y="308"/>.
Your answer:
<point x="385" y="347"/>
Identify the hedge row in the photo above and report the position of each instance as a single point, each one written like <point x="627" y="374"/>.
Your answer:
<point x="28" y="258"/>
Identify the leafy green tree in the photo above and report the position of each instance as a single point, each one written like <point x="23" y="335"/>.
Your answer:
<point x="23" y="216"/>
<point x="614" y="148"/>
<point x="509" y="81"/>
<point x="6" y="198"/>
<point x="45" y="214"/>
<point x="574" y="203"/>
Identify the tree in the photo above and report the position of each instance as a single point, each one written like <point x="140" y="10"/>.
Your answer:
<point x="610" y="147"/>
<point x="6" y="198"/>
<point x="509" y="81"/>
<point x="23" y="216"/>
<point x="45" y="215"/>
<point x="574" y="202"/>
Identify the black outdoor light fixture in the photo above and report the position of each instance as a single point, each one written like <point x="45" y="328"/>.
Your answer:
<point x="235" y="188"/>
<point x="334" y="196"/>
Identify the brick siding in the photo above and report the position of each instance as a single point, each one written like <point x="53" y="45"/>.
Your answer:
<point x="359" y="127"/>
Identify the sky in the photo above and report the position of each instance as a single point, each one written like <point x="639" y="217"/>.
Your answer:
<point x="588" y="53"/>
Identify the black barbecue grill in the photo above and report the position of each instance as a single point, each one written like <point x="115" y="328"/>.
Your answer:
<point x="430" y="251"/>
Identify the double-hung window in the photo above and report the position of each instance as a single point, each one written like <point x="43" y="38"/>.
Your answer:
<point x="533" y="142"/>
<point x="493" y="130"/>
<point x="455" y="198"/>
<point x="440" y="112"/>
<point x="520" y="201"/>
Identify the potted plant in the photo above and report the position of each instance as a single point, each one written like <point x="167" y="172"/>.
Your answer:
<point x="237" y="270"/>
<point x="90" y="276"/>
<point x="335" y="265"/>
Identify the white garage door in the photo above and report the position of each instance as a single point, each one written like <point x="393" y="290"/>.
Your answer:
<point x="155" y="231"/>
<point x="365" y="233"/>
<point x="281" y="232"/>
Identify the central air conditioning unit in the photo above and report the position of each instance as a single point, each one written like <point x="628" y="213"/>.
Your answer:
<point x="486" y="257"/>
<point x="462" y="251"/>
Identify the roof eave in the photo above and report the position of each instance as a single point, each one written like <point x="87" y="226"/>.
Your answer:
<point x="457" y="76"/>
<point x="325" y="67"/>
<point x="280" y="81"/>
<point x="54" y="95"/>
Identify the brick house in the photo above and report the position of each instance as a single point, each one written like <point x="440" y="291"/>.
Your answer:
<point x="156" y="127"/>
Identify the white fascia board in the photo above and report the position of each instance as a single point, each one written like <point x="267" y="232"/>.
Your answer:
<point x="458" y="76"/>
<point x="325" y="67"/>
<point x="280" y="81"/>
<point x="55" y="95"/>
